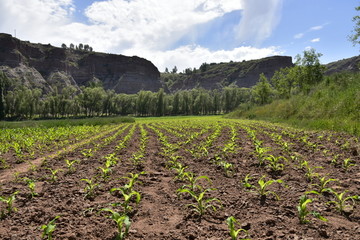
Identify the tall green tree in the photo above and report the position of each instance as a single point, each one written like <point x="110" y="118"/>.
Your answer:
<point x="355" y="37"/>
<point x="310" y="71"/>
<point x="4" y="81"/>
<point x="92" y="99"/>
<point x="284" y="81"/>
<point x="262" y="91"/>
<point x="176" y="103"/>
<point x="160" y="102"/>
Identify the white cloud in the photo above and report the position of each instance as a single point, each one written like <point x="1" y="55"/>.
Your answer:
<point x="146" y="28"/>
<point x="299" y="35"/>
<point x="259" y="19"/>
<point x="315" y="40"/>
<point x="316" y="28"/>
<point x="35" y="20"/>
<point x="193" y="56"/>
<point x="156" y="24"/>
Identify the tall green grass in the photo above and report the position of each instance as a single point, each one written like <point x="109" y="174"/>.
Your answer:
<point x="66" y="122"/>
<point x="334" y="104"/>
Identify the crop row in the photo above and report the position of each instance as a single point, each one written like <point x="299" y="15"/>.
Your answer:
<point x="262" y="161"/>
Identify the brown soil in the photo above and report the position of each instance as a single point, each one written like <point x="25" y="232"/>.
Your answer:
<point x="163" y="214"/>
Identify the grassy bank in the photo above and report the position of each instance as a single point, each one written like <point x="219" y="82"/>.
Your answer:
<point x="66" y="122"/>
<point x="334" y="104"/>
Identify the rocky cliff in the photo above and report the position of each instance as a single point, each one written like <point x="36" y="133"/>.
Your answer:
<point x="241" y="74"/>
<point x="45" y="66"/>
<point x="345" y="65"/>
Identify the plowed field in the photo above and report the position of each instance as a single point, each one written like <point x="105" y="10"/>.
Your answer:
<point x="167" y="155"/>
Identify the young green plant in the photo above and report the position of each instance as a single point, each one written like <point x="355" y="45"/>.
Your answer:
<point x="9" y="202"/>
<point x="202" y="203"/>
<point x="261" y="189"/>
<point x="190" y="177"/>
<point x="321" y="186"/>
<point x="49" y="228"/>
<point x="133" y="178"/>
<point x="347" y="163"/>
<point x="304" y="212"/>
<point x="127" y="198"/>
<point x="340" y="200"/>
<point x="54" y="172"/>
<point x="274" y="162"/>
<point x="71" y="165"/>
<point x="90" y="188"/>
<point x="309" y="171"/>
<point x="122" y="221"/>
<point x="231" y="221"/>
<point x="31" y="185"/>
<point x="246" y="182"/>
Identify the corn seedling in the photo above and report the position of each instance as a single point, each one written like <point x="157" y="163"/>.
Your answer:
<point x="262" y="188"/>
<point x="137" y="156"/>
<point x="304" y="212"/>
<point x="87" y="153"/>
<point x="48" y="229"/>
<point x="347" y="163"/>
<point x="122" y="221"/>
<point x="90" y="188"/>
<point x="180" y="170"/>
<point x="297" y="159"/>
<point x="260" y="153"/>
<point x="286" y="146"/>
<point x="274" y="162"/>
<point x="9" y="202"/>
<point x="133" y="178"/>
<point x="16" y="176"/>
<point x="322" y="185"/>
<point x="246" y="183"/>
<point x="190" y="177"/>
<point x="325" y="152"/>
<point x="31" y="184"/>
<point x="3" y="163"/>
<point x="309" y="171"/>
<point x="335" y="159"/>
<point x="111" y="160"/>
<point x="54" y="172"/>
<point x="105" y="172"/>
<point x="340" y="200"/>
<point x="127" y="198"/>
<point x="173" y="161"/>
<point x="227" y="167"/>
<point x="202" y="203"/>
<point x="70" y="165"/>
<point x="345" y="146"/>
<point x="231" y="221"/>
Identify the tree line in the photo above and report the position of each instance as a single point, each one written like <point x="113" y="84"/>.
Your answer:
<point x="299" y="79"/>
<point x="80" y="47"/>
<point x="24" y="103"/>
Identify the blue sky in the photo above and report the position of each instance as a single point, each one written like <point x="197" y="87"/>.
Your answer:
<point x="186" y="33"/>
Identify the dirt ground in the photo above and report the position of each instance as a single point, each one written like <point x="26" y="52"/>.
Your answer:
<point x="162" y="213"/>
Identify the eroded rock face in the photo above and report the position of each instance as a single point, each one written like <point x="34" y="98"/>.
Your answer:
<point x="242" y="74"/>
<point x="45" y="66"/>
<point x="345" y="65"/>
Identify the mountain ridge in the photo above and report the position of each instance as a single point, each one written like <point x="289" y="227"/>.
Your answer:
<point x="50" y="69"/>
<point x="46" y="67"/>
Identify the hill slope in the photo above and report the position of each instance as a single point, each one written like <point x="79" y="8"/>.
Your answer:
<point x="333" y="104"/>
<point x="45" y="66"/>
<point x="215" y="76"/>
